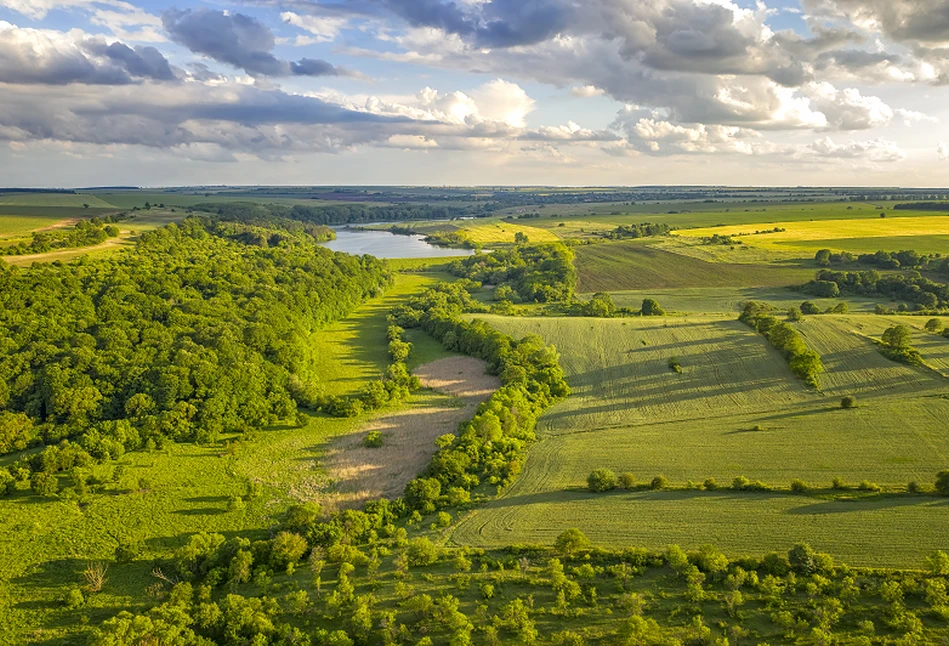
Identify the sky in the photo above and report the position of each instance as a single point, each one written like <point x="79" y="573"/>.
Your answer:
<point x="474" y="92"/>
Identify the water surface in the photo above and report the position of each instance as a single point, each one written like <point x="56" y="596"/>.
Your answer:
<point x="383" y="244"/>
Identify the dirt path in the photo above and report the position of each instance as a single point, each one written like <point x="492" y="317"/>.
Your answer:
<point x="409" y="436"/>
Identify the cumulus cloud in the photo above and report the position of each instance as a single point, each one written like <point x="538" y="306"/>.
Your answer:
<point x="322" y="29"/>
<point x="877" y="150"/>
<point x="237" y="40"/>
<point x="51" y="57"/>
<point x="942" y="151"/>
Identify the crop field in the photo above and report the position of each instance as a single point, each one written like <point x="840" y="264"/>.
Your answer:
<point x="504" y="232"/>
<point x="637" y="264"/>
<point x="54" y="200"/>
<point x="735" y="410"/>
<point x="808" y="236"/>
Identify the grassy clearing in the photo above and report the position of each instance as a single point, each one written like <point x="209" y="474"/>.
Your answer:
<point x="503" y="232"/>
<point x="815" y="235"/>
<point x="632" y="265"/>
<point x="629" y="412"/>
<point x="19" y="226"/>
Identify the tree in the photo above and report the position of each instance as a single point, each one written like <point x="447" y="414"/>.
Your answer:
<point x="848" y="402"/>
<point x="421" y="551"/>
<point x="809" y="307"/>
<point x="520" y="238"/>
<point x="822" y="258"/>
<point x="934" y="326"/>
<point x="898" y="337"/>
<point x="651" y="307"/>
<point x="601" y="480"/>
<point x="571" y="540"/>
<point x="422" y="494"/>
<point x="287" y="548"/>
<point x="942" y="482"/>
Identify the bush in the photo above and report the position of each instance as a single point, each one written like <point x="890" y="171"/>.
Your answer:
<point x="659" y="482"/>
<point x="913" y="487"/>
<point x="373" y="440"/>
<point x="808" y="307"/>
<point x="443" y="519"/>
<point x="627" y="480"/>
<point x="650" y="307"/>
<point x="933" y="325"/>
<point x="601" y="480"/>
<point x="74" y="598"/>
<point x="838" y="484"/>
<point x="675" y="366"/>
<point x="942" y="483"/>
<point x="572" y="540"/>
<point x="848" y="402"/>
<point x="798" y="486"/>
<point x="287" y="548"/>
<point x="866" y="485"/>
<point x="710" y="484"/>
<point x="421" y="551"/>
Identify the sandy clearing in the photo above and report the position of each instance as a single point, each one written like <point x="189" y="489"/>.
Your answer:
<point x="360" y="474"/>
<point x="62" y="224"/>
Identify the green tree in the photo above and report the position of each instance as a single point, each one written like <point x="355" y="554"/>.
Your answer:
<point x="571" y="540"/>
<point x="601" y="480"/>
<point x="942" y="482"/>
<point x="650" y="307"/>
<point x="898" y="337"/>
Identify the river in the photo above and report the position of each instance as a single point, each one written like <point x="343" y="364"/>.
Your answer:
<point x="383" y="244"/>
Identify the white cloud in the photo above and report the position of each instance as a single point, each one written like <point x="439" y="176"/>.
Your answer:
<point x="324" y="29"/>
<point x="586" y="91"/>
<point x="877" y="150"/>
<point x="942" y="150"/>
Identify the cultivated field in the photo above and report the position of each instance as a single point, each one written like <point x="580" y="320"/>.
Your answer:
<point x="735" y="410"/>
<point x="859" y="234"/>
<point x="639" y="264"/>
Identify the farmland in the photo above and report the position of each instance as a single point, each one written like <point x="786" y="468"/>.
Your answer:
<point x="467" y="503"/>
<point x="629" y="412"/>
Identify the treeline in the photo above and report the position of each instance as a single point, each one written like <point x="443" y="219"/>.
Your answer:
<point x="906" y="259"/>
<point x="912" y="288"/>
<point x="644" y="230"/>
<point x="189" y="335"/>
<point x="338" y="213"/>
<point x="922" y="206"/>
<point x="804" y="363"/>
<point x="539" y="273"/>
<point x="457" y="239"/>
<point x="84" y="234"/>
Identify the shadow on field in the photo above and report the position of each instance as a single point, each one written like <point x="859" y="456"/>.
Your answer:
<point x="881" y="502"/>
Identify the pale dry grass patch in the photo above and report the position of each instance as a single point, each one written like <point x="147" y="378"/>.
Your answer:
<point x="362" y="473"/>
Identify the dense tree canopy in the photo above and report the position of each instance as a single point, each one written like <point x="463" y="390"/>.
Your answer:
<point x="192" y="333"/>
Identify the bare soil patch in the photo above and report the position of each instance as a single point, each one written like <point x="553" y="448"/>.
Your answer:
<point x="361" y="473"/>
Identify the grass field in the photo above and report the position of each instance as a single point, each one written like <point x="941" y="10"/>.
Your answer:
<point x="637" y="264"/>
<point x="629" y="412"/>
<point x="54" y="200"/>
<point x="719" y="300"/>
<point x="861" y="234"/>
<point x="504" y="232"/>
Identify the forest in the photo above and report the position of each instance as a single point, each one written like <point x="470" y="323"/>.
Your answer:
<point x="196" y="332"/>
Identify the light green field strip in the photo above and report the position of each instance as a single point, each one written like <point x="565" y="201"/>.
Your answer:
<point x="886" y="532"/>
<point x="809" y="235"/>
<point x="54" y="200"/>
<point x="728" y="300"/>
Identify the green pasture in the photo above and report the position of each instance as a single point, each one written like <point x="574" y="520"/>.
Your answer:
<point x="716" y="300"/>
<point x="735" y="410"/>
<point x="55" y="200"/>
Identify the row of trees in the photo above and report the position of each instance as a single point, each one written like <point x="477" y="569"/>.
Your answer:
<point x="340" y="213"/>
<point x="644" y="230"/>
<point x="912" y="287"/>
<point x="804" y="362"/>
<point x="191" y="334"/>
<point x="907" y="259"/>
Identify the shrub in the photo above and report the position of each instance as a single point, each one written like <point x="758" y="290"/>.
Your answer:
<point x="650" y="307"/>
<point x="808" y="307"/>
<point x="627" y="480"/>
<point x="740" y="483"/>
<point x="675" y="366"/>
<point x="798" y="486"/>
<point x="866" y="485"/>
<point x="601" y="480"/>
<point x="571" y="540"/>
<point x="373" y="440"/>
<point x="913" y="487"/>
<point x="838" y="484"/>
<point x="710" y="484"/>
<point x="287" y="548"/>
<point x="128" y="551"/>
<point x="421" y="551"/>
<point x="659" y="482"/>
<point x="443" y="519"/>
<point x="848" y="402"/>
<point x="933" y="325"/>
<point x="942" y="482"/>
<point x="73" y="598"/>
